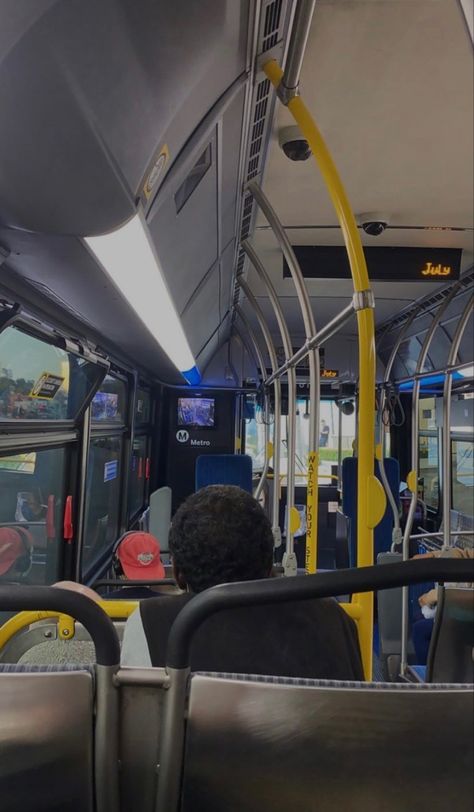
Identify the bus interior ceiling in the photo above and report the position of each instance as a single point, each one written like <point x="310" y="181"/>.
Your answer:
<point x="170" y="111"/>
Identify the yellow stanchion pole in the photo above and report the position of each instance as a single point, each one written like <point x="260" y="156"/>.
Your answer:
<point x="370" y="494"/>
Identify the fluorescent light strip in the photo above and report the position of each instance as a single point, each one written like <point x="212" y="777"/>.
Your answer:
<point x="128" y="257"/>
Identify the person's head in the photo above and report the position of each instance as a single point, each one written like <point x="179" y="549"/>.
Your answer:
<point x="136" y="556"/>
<point x="218" y="535"/>
<point x="323" y="422"/>
<point x="81" y="589"/>
<point x="15" y="552"/>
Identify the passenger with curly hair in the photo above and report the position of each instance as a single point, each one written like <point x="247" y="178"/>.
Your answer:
<point x="220" y="535"/>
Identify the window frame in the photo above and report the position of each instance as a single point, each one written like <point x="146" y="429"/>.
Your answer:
<point x="53" y="338"/>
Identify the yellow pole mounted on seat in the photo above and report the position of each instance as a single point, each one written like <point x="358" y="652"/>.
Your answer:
<point x="370" y="494"/>
<point x="115" y="609"/>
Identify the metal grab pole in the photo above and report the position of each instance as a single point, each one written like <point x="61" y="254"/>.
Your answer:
<point x="412" y="478"/>
<point x="261" y="364"/>
<point x="397" y="533"/>
<point x="371" y="500"/>
<point x="277" y="410"/>
<point x="314" y="373"/>
<point x="447" y="471"/>
<point x="289" y="560"/>
<point x="296" y="49"/>
<point x="324" y="334"/>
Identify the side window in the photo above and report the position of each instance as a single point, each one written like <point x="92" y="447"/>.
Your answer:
<point x="463" y="476"/>
<point x="109" y="403"/>
<point x="143" y="407"/>
<point x="428" y="456"/>
<point x="104" y="473"/>
<point x="139" y="474"/>
<point x="428" y="451"/>
<point x="32" y="496"/>
<point x="39" y="381"/>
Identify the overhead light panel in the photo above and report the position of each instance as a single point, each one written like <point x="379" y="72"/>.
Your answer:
<point x="129" y="259"/>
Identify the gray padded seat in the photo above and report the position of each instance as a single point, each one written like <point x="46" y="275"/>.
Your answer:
<point x="389" y="603"/>
<point x="46" y="739"/>
<point x="451" y="654"/>
<point x="262" y="744"/>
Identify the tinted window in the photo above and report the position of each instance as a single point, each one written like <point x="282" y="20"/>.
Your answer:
<point x="143" y="407"/>
<point x="39" y="381"/>
<point x="428" y="456"/>
<point x="138" y="474"/>
<point x="32" y="505"/>
<point x="463" y="476"/>
<point x="329" y="440"/>
<point x="109" y="403"/>
<point x="103" y="498"/>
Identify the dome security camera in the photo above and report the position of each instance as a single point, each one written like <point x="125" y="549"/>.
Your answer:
<point x="374" y="227"/>
<point x="293" y="144"/>
<point x="373" y="223"/>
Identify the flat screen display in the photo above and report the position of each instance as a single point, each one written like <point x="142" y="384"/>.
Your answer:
<point x="196" y="412"/>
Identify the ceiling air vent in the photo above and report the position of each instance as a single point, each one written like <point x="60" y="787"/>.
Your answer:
<point x="272" y="24"/>
<point x="426" y="304"/>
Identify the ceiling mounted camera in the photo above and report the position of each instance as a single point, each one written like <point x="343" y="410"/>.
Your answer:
<point x="374" y="227"/>
<point x="374" y="224"/>
<point x="295" y="147"/>
<point x="346" y="406"/>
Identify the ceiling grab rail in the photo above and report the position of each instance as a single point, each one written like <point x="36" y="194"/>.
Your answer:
<point x="268" y="450"/>
<point x="412" y="477"/>
<point x="314" y="383"/>
<point x="289" y="559"/>
<point x="277" y="411"/>
<point x="397" y="535"/>
<point x="448" y="382"/>
<point x="371" y="500"/>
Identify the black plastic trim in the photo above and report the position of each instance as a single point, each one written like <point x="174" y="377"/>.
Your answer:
<point x="323" y="585"/>
<point x="98" y="624"/>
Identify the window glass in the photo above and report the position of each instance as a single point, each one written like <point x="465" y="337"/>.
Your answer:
<point x="103" y="498"/>
<point x="255" y="440"/>
<point x="143" y="407"/>
<point x="138" y="474"/>
<point x="427" y="414"/>
<point x="428" y="463"/>
<point x="39" y="381"/>
<point x="463" y="476"/>
<point x="329" y="440"/>
<point x="109" y="403"/>
<point x="32" y="486"/>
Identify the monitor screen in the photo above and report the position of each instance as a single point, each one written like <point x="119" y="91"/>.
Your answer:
<point x="196" y="412"/>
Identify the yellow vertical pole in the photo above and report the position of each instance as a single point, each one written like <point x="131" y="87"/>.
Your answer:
<point x="311" y="553"/>
<point x="370" y="494"/>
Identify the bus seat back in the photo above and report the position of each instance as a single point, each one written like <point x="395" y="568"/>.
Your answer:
<point x="259" y="745"/>
<point x="451" y="654"/>
<point x="224" y="469"/>
<point x="46" y="740"/>
<point x="160" y="516"/>
<point x="383" y="531"/>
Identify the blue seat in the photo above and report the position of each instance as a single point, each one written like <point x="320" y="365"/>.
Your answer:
<point x="383" y="531"/>
<point x="420" y="671"/>
<point x="224" y="469"/>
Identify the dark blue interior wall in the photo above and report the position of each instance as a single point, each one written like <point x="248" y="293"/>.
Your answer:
<point x="181" y="446"/>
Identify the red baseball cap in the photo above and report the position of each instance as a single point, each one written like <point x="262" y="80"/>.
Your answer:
<point x="139" y="555"/>
<point x="11" y="548"/>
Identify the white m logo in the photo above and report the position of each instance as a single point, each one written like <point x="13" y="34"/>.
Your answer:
<point x="182" y="436"/>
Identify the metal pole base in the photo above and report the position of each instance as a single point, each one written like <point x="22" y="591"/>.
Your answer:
<point x="290" y="566"/>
